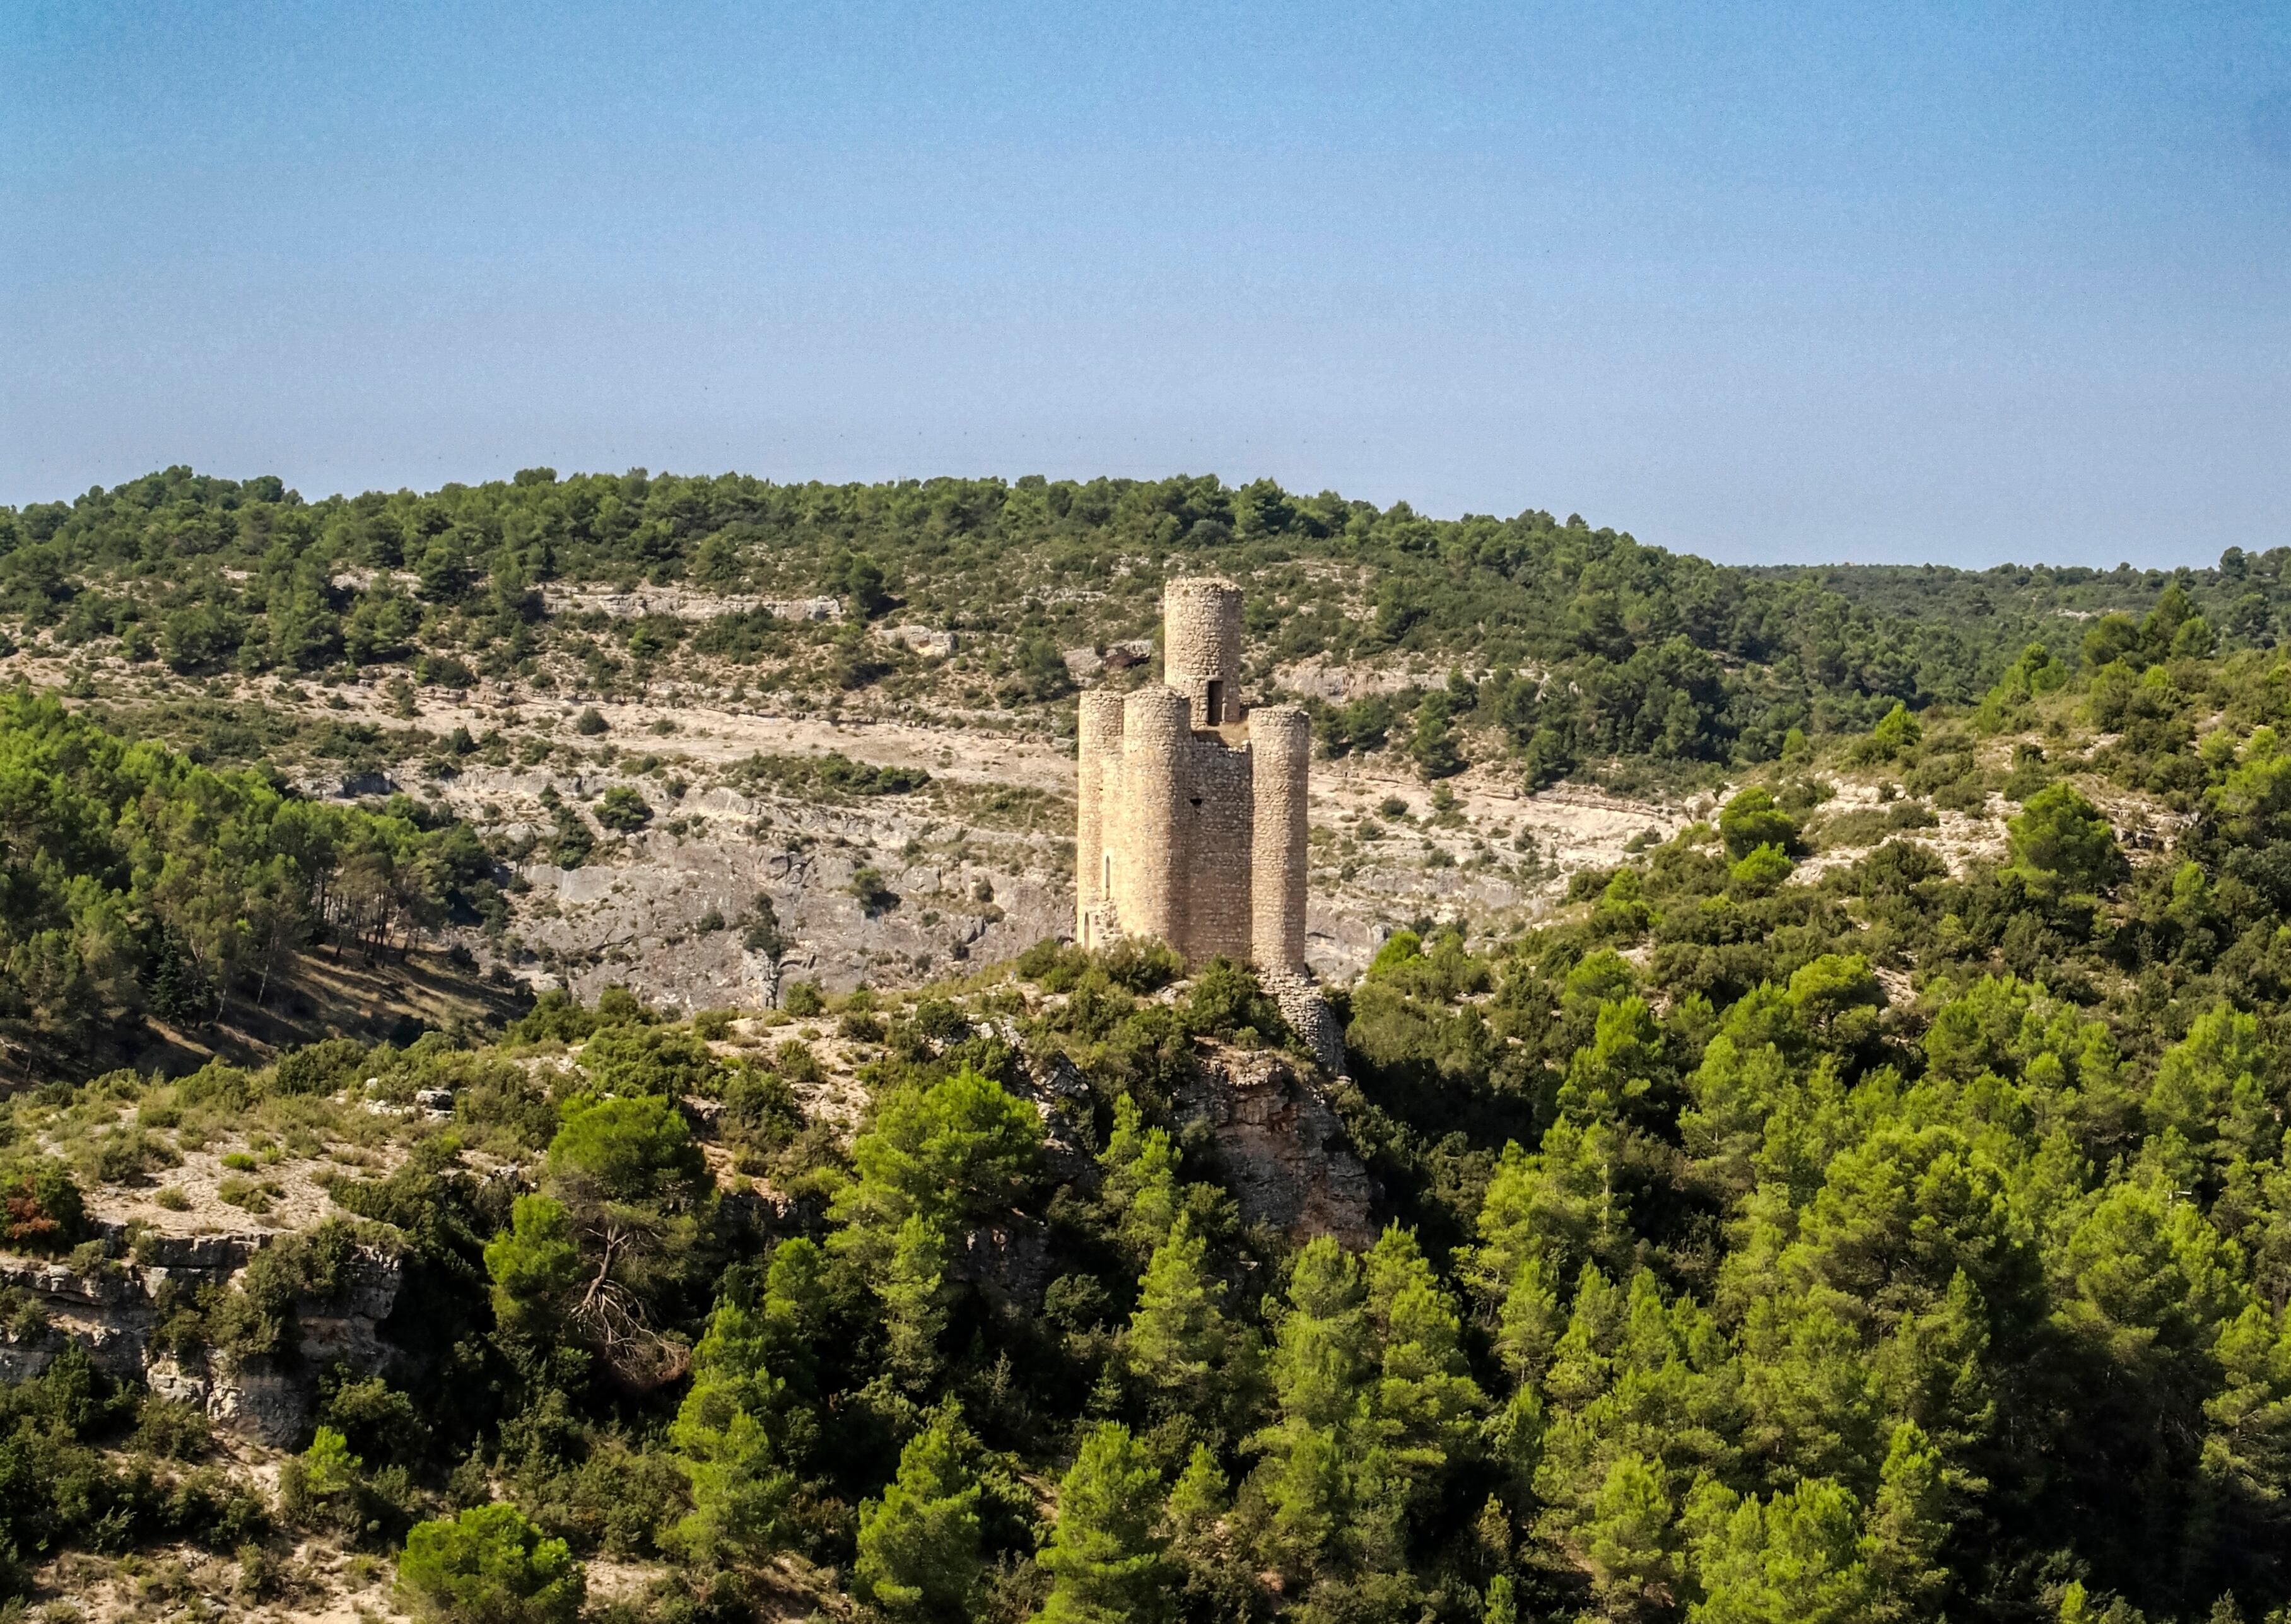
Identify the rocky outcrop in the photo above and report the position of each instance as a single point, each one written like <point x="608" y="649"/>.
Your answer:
<point x="1060" y="1095"/>
<point x="1282" y="1150"/>
<point x="1085" y="664"/>
<point x="682" y="602"/>
<point x="111" y="1308"/>
<point x="1009" y="1261"/>
<point x="926" y="641"/>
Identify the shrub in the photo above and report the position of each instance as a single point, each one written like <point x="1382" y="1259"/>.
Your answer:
<point x="2061" y="839"/>
<point x="1753" y="819"/>
<point x="874" y="897"/>
<point x="322" y="1068"/>
<point x="1227" y="1002"/>
<point x="622" y="810"/>
<point x="650" y="1060"/>
<point x="319" y="1488"/>
<point x="1053" y="965"/>
<point x="1896" y="736"/>
<point x="489" y="1566"/>
<point x="255" y="1196"/>
<point x="803" y="998"/>
<point x="591" y="722"/>
<point x="713" y="1025"/>
<point x="556" y="1016"/>
<point x="44" y="1212"/>
<point x="1141" y="967"/>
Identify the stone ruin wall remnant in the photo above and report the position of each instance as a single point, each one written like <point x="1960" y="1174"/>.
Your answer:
<point x="1190" y="825"/>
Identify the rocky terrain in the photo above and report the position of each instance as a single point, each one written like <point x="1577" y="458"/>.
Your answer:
<point x="761" y="808"/>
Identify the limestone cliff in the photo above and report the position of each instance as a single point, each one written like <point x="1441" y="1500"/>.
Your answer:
<point x="1280" y="1146"/>
<point x="112" y="1308"/>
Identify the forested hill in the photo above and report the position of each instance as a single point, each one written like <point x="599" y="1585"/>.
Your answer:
<point x="1587" y="645"/>
<point x="2013" y="605"/>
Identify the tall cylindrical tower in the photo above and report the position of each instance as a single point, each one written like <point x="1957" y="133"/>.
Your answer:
<point x="1097" y="743"/>
<point x="1280" y="746"/>
<point x="1200" y="647"/>
<point x="1149" y="869"/>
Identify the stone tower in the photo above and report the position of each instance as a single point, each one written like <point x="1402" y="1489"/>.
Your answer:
<point x="1191" y="825"/>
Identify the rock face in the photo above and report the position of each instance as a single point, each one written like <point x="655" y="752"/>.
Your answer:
<point x="1282" y="1149"/>
<point x="111" y="1310"/>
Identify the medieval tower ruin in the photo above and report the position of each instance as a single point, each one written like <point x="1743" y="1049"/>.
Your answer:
<point x="1192" y="821"/>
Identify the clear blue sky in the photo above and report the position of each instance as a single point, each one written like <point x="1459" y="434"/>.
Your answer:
<point x="1909" y="282"/>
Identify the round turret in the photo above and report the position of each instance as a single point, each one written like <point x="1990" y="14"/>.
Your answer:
<point x="1200" y="647"/>
<point x="1148" y="881"/>
<point x="1097" y="750"/>
<point x="1281" y="749"/>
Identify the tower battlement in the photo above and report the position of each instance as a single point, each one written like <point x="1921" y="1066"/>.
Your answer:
<point x="1191" y="820"/>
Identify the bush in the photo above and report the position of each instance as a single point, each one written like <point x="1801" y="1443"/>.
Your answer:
<point x="321" y="1068"/>
<point x="622" y="810"/>
<point x="668" y="1060"/>
<point x="2062" y="840"/>
<point x="803" y="998"/>
<point x="1227" y="1002"/>
<point x="1753" y="819"/>
<point x="42" y="1207"/>
<point x="1897" y="736"/>
<point x="1141" y="967"/>
<point x="874" y="897"/>
<point x="589" y="723"/>
<point x="489" y="1566"/>
<point x="556" y="1016"/>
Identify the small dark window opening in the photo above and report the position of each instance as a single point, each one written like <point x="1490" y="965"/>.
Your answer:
<point x="1197" y="800"/>
<point x="1216" y="703"/>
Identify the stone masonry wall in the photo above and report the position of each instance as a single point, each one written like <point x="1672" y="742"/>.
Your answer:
<point x="1213" y="827"/>
<point x="1098" y="749"/>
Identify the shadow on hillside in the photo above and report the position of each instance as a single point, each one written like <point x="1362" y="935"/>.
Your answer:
<point x="390" y="999"/>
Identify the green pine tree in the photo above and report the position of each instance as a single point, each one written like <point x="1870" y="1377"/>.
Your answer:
<point x="1104" y="1556"/>
<point x="919" y="1545"/>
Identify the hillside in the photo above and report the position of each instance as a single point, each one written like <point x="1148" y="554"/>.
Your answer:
<point x="1581" y="646"/>
<point x="1832" y="1181"/>
<point x="721" y="736"/>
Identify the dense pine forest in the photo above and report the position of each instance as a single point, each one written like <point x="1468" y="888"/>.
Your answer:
<point x="1795" y="1223"/>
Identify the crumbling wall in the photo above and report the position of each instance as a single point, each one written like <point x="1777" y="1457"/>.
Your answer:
<point x="1098" y="755"/>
